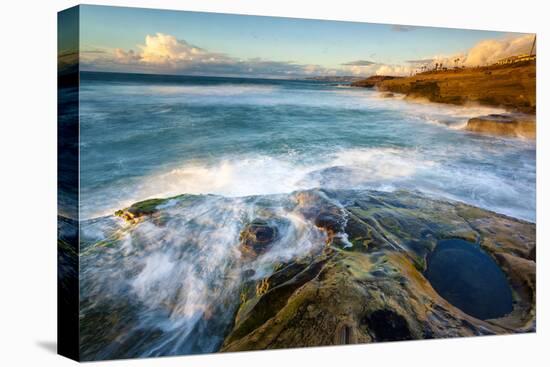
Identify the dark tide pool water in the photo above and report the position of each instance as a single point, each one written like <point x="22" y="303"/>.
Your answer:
<point x="467" y="277"/>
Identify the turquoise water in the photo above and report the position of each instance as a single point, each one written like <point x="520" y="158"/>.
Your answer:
<point x="155" y="136"/>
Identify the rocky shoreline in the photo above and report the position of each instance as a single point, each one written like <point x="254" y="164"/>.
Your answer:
<point x="512" y="87"/>
<point x="369" y="282"/>
<point x="376" y="289"/>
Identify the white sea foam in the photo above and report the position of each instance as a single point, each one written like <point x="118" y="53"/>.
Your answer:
<point x="186" y="271"/>
<point x="264" y="175"/>
<point x="441" y="160"/>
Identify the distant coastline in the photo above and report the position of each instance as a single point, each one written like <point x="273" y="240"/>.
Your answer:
<point x="510" y="86"/>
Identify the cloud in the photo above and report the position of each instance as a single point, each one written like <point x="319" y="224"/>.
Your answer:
<point x="420" y="61"/>
<point x="126" y="57"/>
<point x="94" y="51"/>
<point x="402" y="28"/>
<point x="483" y="53"/>
<point x="166" y="54"/>
<point x="395" y="70"/>
<point x="490" y="51"/>
<point x="163" y="53"/>
<point x="359" y="63"/>
<point x="165" y="49"/>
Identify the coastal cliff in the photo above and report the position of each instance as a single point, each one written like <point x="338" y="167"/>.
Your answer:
<point x="509" y="86"/>
<point x="373" y="81"/>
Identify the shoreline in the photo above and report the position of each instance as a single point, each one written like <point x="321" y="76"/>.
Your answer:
<point x="511" y="87"/>
<point x="358" y="242"/>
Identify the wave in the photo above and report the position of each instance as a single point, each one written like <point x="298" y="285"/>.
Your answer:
<point x="176" y="277"/>
<point x="264" y="175"/>
<point x="448" y="162"/>
<point x="452" y="116"/>
<point x="383" y="169"/>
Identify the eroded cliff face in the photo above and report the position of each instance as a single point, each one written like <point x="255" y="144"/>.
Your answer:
<point x="509" y="86"/>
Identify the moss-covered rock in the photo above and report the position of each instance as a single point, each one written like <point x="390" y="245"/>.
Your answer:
<point x="149" y="207"/>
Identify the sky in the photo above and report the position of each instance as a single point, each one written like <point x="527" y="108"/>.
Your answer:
<point x="119" y="39"/>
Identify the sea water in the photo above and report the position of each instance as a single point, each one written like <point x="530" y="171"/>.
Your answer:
<point x="151" y="290"/>
<point x="146" y="136"/>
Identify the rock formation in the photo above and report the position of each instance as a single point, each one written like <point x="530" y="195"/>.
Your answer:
<point x="517" y="125"/>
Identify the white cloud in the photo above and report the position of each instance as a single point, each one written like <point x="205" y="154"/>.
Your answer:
<point x="126" y="57"/>
<point x="487" y="52"/>
<point x="490" y="51"/>
<point x="164" y="49"/>
<point x="164" y="53"/>
<point x="399" y="70"/>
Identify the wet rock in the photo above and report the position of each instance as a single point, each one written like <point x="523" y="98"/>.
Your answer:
<point x="518" y="125"/>
<point x="387" y="325"/>
<point x="376" y="290"/>
<point x="330" y="221"/>
<point x="257" y="237"/>
<point x="146" y="208"/>
<point x="345" y="334"/>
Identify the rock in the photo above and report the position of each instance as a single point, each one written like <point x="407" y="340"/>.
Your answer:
<point x="144" y="208"/>
<point x="330" y="221"/>
<point x="372" y="81"/>
<point x="257" y="237"/>
<point x="518" y="125"/>
<point x="378" y="291"/>
<point x="509" y="86"/>
<point x="388" y="95"/>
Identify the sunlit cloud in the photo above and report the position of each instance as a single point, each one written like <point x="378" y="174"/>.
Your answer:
<point x="485" y="52"/>
<point x="490" y="51"/>
<point x="164" y="53"/>
<point x="359" y="63"/>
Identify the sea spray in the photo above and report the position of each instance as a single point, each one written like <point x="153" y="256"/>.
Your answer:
<point x="175" y="279"/>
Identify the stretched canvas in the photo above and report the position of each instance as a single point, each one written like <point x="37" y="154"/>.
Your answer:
<point x="233" y="183"/>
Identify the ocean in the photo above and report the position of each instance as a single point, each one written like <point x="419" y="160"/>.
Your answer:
<point x="145" y="136"/>
<point x="172" y="284"/>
